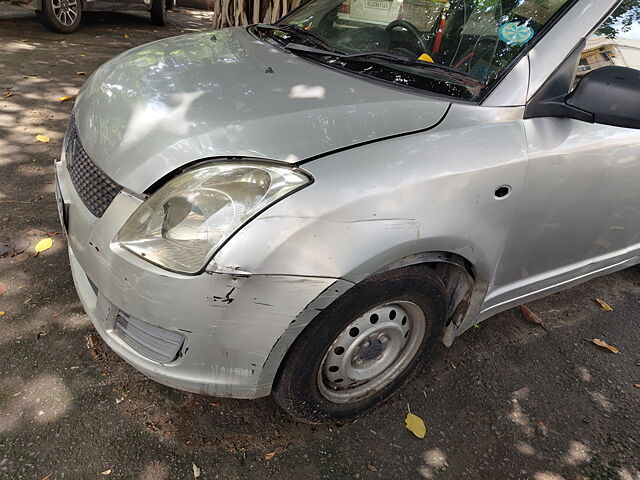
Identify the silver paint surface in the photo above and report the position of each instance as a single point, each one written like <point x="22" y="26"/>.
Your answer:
<point x="571" y="214"/>
<point x="162" y="105"/>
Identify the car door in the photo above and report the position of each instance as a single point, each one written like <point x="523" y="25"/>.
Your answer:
<point x="579" y="212"/>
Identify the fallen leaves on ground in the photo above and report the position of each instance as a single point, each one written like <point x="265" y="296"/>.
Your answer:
<point x="602" y="344"/>
<point x="7" y="94"/>
<point x="3" y="289"/>
<point x="92" y="345"/>
<point x="371" y="467"/>
<point x="415" y="424"/>
<point x="43" y="138"/>
<point x="530" y="316"/>
<point x="196" y="470"/>
<point x="31" y="77"/>
<point x="1" y="314"/>
<point x="66" y="98"/>
<point x="637" y="385"/>
<point x="106" y="472"/>
<point x="604" y="305"/>
<point x="48" y="477"/>
<point x="126" y="36"/>
<point x="270" y="455"/>
<point x="36" y="232"/>
<point x="44" y="244"/>
<point x="15" y="249"/>
<point x="81" y="73"/>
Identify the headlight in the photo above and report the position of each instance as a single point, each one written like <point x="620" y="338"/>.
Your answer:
<point x="181" y="225"/>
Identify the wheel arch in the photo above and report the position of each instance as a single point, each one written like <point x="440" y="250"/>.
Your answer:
<point x="457" y="273"/>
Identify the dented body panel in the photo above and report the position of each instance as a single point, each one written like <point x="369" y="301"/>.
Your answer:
<point x="398" y="179"/>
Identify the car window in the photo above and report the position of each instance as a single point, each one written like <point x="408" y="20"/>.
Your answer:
<point x="615" y="42"/>
<point x="479" y="39"/>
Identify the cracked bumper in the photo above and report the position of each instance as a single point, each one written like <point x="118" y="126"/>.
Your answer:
<point x="229" y="324"/>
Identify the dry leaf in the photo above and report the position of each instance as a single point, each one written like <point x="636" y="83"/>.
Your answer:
<point x="32" y="77"/>
<point x="36" y="232"/>
<point x="415" y="425"/>
<point x="270" y="455"/>
<point x="8" y="94"/>
<point x="603" y="344"/>
<point x="530" y="316"/>
<point x="126" y="36"/>
<point x="47" y="477"/>
<point x="371" y="467"/>
<point x="43" y="138"/>
<point x="1" y="314"/>
<point x="196" y="470"/>
<point x="637" y="385"/>
<point x="21" y="257"/>
<point x="65" y="98"/>
<point x="81" y="73"/>
<point x="604" y="305"/>
<point x="106" y="472"/>
<point x="3" y="289"/>
<point x="44" y="244"/>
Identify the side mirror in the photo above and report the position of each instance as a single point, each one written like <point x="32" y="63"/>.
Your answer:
<point x="611" y="95"/>
<point x="608" y="95"/>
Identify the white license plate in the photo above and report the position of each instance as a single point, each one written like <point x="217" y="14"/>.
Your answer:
<point x="63" y="207"/>
<point x="378" y="5"/>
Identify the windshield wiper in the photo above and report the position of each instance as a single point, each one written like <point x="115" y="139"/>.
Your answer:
<point x="300" y="32"/>
<point x="454" y="73"/>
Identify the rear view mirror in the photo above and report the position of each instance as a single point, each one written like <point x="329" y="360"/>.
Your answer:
<point x="611" y="95"/>
<point x="608" y="95"/>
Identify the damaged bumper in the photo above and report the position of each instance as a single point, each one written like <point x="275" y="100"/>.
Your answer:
<point x="211" y="333"/>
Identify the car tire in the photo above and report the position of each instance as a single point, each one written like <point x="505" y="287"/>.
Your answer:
<point x="344" y="340"/>
<point x="60" y="16"/>
<point x="159" y="12"/>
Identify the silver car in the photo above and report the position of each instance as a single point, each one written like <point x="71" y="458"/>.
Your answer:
<point x="64" y="16"/>
<point x="306" y="208"/>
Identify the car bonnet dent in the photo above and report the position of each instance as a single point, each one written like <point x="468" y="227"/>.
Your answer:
<point x="160" y="106"/>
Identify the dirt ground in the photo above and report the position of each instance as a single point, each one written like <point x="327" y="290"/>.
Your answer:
<point x="509" y="400"/>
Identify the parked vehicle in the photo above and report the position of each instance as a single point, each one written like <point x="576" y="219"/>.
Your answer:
<point x="64" y="16"/>
<point x="306" y="208"/>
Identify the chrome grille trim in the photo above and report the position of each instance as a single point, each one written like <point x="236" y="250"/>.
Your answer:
<point x="93" y="186"/>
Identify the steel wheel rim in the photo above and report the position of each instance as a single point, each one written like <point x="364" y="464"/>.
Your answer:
<point x="66" y="11"/>
<point x="371" y="351"/>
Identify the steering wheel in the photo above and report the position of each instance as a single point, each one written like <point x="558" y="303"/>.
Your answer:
<point x="411" y="28"/>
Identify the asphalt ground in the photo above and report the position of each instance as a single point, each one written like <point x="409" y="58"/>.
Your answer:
<point x="510" y="399"/>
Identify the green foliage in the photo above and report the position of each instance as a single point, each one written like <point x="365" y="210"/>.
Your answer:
<point x="621" y="19"/>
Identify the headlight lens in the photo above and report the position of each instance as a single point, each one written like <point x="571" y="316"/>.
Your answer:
<point x="181" y="225"/>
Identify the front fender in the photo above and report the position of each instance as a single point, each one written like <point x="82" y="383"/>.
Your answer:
<point x="372" y="205"/>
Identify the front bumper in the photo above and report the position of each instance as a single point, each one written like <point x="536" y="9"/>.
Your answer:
<point x="224" y="327"/>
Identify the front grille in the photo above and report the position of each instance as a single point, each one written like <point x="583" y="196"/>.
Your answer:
<point x="94" y="187"/>
<point x="155" y="343"/>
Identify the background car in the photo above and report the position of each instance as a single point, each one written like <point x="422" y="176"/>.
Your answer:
<point x="64" y="16"/>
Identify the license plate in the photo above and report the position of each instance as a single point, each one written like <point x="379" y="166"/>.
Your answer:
<point x="379" y="5"/>
<point x="63" y="207"/>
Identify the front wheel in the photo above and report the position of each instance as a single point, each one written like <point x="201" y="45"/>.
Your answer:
<point x="159" y="12"/>
<point x="363" y="347"/>
<point x="60" y="16"/>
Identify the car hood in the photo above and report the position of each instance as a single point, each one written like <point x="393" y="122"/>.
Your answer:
<point x="165" y="104"/>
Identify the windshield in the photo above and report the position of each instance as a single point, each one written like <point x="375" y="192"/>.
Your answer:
<point x="457" y="48"/>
